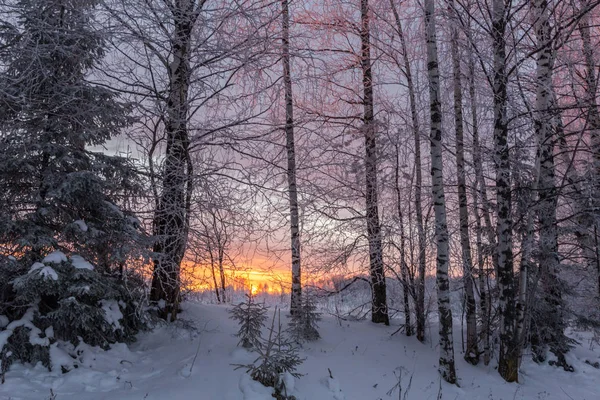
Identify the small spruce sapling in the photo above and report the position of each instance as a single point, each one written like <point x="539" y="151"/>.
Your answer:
<point x="251" y="317"/>
<point x="277" y="357"/>
<point x="303" y="325"/>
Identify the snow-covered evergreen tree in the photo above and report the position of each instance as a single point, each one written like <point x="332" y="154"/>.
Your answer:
<point x="303" y="325"/>
<point x="66" y="239"/>
<point x="252" y="317"/>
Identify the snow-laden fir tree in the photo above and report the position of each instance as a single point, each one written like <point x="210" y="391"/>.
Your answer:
<point x="66" y="241"/>
<point x="303" y="325"/>
<point x="251" y="316"/>
<point x="277" y="359"/>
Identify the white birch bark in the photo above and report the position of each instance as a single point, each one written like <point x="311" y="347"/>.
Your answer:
<point x="296" y="297"/>
<point x="446" y="361"/>
<point x="480" y="192"/>
<point x="471" y="350"/>
<point x="508" y="357"/>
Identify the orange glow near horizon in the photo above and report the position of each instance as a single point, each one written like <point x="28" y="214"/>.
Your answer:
<point x="247" y="278"/>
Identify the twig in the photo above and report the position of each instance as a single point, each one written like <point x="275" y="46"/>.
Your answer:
<point x="566" y="394"/>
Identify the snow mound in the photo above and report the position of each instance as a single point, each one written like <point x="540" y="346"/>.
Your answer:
<point x="334" y="388"/>
<point x="56" y="257"/>
<point x="252" y="390"/>
<point x="289" y="382"/>
<point x="60" y="360"/>
<point x="80" y="262"/>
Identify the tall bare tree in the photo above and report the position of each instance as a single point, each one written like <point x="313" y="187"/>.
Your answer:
<point x="379" y="310"/>
<point x="508" y="361"/>
<point x="171" y="218"/>
<point x="296" y="299"/>
<point x="446" y="362"/>
<point x="471" y="351"/>
<point x="420" y="291"/>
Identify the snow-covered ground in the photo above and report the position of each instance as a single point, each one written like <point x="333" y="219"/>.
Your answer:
<point x="365" y="361"/>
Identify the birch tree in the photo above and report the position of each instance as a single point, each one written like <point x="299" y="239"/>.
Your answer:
<point x="296" y="298"/>
<point x="446" y="362"/>
<point x="471" y="351"/>
<point x="508" y="358"/>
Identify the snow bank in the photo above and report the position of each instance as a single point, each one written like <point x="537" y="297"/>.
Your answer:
<point x="60" y="360"/>
<point x="362" y="358"/>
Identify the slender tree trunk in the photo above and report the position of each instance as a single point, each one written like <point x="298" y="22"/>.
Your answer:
<point x="214" y="273"/>
<point x="296" y="298"/>
<point x="481" y="277"/>
<point x="552" y="325"/>
<point x="480" y="192"/>
<point x="478" y="165"/>
<point x="524" y="267"/>
<point x="508" y="358"/>
<point x="379" y="311"/>
<point x="446" y="363"/>
<point x="471" y="351"/>
<point x="420" y="301"/>
<point x="222" y="276"/>
<point x="222" y="271"/>
<point x="406" y="286"/>
<point x="171" y="218"/>
<point x="597" y="248"/>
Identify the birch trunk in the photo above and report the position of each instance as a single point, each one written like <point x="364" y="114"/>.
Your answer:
<point x="480" y="192"/>
<point x="471" y="351"/>
<point x="524" y="268"/>
<point x="406" y="287"/>
<point x="446" y="363"/>
<point x="420" y="300"/>
<point x="551" y="328"/>
<point x="296" y="297"/>
<point x="171" y="219"/>
<point x="508" y="357"/>
<point x="379" y="310"/>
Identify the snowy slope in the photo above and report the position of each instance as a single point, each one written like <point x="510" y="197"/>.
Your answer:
<point x="365" y="362"/>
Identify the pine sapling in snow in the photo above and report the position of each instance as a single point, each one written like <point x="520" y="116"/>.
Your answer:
<point x="277" y="362"/>
<point x="251" y="317"/>
<point x="303" y="325"/>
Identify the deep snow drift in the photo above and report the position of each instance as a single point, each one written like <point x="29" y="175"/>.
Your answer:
<point x="366" y="362"/>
